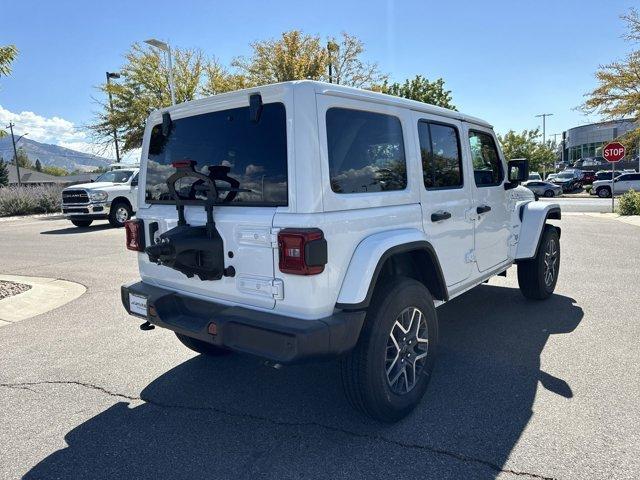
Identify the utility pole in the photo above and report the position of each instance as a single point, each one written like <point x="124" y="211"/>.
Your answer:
<point x="111" y="75"/>
<point x="544" y="135"/>
<point x="15" y="153"/>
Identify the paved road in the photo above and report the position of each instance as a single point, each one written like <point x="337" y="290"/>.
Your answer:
<point x="521" y="390"/>
<point x="590" y="204"/>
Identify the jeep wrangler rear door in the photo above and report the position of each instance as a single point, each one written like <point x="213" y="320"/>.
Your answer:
<point x="445" y="195"/>
<point x="244" y="150"/>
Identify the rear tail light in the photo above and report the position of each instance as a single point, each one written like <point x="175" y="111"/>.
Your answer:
<point x="135" y="235"/>
<point x="303" y="251"/>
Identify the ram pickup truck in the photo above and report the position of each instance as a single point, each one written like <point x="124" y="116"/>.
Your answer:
<point x="113" y="196"/>
<point x="304" y="221"/>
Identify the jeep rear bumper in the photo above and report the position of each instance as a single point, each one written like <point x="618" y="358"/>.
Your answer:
<point x="269" y="335"/>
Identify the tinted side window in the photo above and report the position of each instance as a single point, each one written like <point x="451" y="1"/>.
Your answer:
<point x="366" y="151"/>
<point x="631" y="177"/>
<point x="487" y="167"/>
<point x="440" y="152"/>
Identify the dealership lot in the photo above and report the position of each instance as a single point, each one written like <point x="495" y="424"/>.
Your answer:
<point x="536" y="390"/>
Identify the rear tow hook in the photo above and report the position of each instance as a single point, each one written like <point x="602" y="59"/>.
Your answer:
<point x="147" y="326"/>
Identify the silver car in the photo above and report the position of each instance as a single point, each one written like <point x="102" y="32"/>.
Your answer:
<point x="543" y="189"/>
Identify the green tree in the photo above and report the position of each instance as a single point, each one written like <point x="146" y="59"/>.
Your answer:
<point x="617" y="94"/>
<point x="143" y="87"/>
<point x="348" y="66"/>
<point x="422" y="90"/>
<point x="219" y="80"/>
<point x="53" y="170"/>
<point x="7" y="55"/>
<point x="23" y="159"/>
<point x="293" y="56"/>
<point x="4" y="173"/>
<point x="38" y="165"/>
<point x="527" y="145"/>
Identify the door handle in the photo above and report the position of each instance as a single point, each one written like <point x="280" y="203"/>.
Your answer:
<point x="441" y="215"/>
<point x="483" y="209"/>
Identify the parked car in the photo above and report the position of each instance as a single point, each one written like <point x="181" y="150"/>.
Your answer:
<point x="569" y="180"/>
<point x="113" y="196"/>
<point x="544" y="189"/>
<point x="308" y="224"/>
<point x="535" y="176"/>
<point x="605" y="175"/>
<point x="621" y="184"/>
<point x="587" y="177"/>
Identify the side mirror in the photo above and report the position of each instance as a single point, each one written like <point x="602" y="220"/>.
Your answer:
<point x="517" y="171"/>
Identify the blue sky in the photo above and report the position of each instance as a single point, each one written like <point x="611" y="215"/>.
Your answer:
<point x="505" y="61"/>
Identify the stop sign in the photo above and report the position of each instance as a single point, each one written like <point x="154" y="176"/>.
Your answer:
<point x="613" y="152"/>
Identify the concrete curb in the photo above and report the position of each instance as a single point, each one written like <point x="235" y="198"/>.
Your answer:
<point x="15" y="218"/>
<point x="628" y="219"/>
<point x="45" y="294"/>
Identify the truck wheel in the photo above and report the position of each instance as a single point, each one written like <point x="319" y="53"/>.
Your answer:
<point x="120" y="213"/>
<point x="548" y="193"/>
<point x="387" y="373"/>
<point x="201" y="347"/>
<point x="604" y="192"/>
<point x="81" y="223"/>
<point x="537" y="277"/>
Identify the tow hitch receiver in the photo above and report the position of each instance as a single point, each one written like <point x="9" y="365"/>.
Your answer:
<point x="194" y="250"/>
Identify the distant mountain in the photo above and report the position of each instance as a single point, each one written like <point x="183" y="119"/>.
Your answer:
<point x="53" y="155"/>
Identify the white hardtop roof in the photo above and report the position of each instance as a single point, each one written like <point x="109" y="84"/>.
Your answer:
<point x="339" y="91"/>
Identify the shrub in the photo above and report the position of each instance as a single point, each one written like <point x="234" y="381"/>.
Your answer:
<point x="28" y="200"/>
<point x="588" y="188"/>
<point x="629" y="203"/>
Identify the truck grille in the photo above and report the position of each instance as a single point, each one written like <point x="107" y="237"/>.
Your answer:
<point x="74" y="196"/>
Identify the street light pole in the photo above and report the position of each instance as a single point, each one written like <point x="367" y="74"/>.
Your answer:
<point x="165" y="48"/>
<point x="111" y="75"/>
<point x="544" y="135"/>
<point x="331" y="47"/>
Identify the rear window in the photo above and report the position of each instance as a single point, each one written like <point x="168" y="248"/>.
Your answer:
<point x="366" y="151"/>
<point x="246" y="159"/>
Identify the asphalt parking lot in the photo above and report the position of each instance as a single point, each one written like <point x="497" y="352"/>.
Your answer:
<point x="521" y="390"/>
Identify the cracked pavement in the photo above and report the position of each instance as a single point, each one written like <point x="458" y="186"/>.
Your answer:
<point x="521" y="389"/>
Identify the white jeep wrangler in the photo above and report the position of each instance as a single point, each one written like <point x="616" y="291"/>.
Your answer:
<point x="304" y="220"/>
<point x="113" y="196"/>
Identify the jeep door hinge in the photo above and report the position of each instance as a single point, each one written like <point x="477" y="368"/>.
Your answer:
<point x="470" y="256"/>
<point x="277" y="289"/>
<point x="274" y="237"/>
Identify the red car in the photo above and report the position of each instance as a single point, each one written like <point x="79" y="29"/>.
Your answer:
<point x="588" y="177"/>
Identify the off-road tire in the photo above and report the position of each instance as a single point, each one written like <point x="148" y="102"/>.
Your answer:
<point x="202" y="347"/>
<point x="82" y="223"/>
<point x="364" y="371"/>
<point x="604" y="192"/>
<point x="116" y="219"/>
<point x="532" y="275"/>
<point x="549" y="193"/>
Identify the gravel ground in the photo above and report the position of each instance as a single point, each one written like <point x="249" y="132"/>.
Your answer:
<point x="8" y="289"/>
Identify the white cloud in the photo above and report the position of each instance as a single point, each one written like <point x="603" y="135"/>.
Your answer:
<point x="58" y="131"/>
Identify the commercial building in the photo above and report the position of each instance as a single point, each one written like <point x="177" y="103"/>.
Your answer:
<point x="587" y="141"/>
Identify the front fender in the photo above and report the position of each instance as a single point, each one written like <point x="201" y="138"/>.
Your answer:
<point x="365" y="260"/>
<point x="533" y="216"/>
